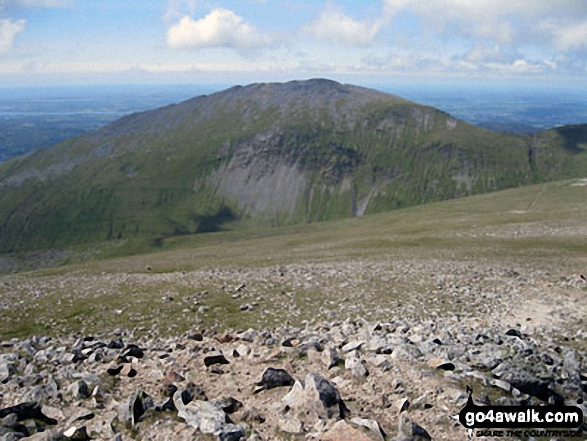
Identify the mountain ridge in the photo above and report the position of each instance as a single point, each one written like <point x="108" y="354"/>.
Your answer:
<point x="269" y="153"/>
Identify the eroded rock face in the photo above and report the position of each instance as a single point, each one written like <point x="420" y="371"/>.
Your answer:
<point x="313" y="387"/>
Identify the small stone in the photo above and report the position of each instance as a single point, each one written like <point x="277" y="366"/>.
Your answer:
<point x="53" y="412"/>
<point x="128" y="371"/>
<point x="319" y="387"/>
<point x="193" y="392"/>
<point x="243" y="350"/>
<point x="354" y="363"/>
<point x="290" y="342"/>
<point x="273" y="378"/>
<point x="371" y="425"/>
<point x="114" y="370"/>
<point x="197" y="337"/>
<point x="248" y="336"/>
<point x="514" y="333"/>
<point x="133" y="351"/>
<point x="290" y="425"/>
<point x="441" y="364"/>
<point x="117" y="343"/>
<point x="228" y="405"/>
<point x="79" y="389"/>
<point x="353" y="346"/>
<point x="215" y="358"/>
<point x="332" y="358"/>
<point x="77" y="434"/>
<point x="342" y="431"/>
<point x="135" y="407"/>
<point x="225" y="338"/>
<point x="231" y="432"/>
<point x="412" y="430"/>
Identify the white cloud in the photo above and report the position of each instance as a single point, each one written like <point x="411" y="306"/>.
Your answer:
<point x="220" y="28"/>
<point x="333" y="26"/>
<point x="518" y="66"/>
<point x="567" y="36"/>
<point x="505" y="22"/>
<point x="8" y="31"/>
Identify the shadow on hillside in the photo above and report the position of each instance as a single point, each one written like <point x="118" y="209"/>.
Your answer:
<point x="213" y="223"/>
<point x="573" y="136"/>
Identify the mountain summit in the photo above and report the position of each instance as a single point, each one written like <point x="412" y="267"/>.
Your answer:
<point x="271" y="153"/>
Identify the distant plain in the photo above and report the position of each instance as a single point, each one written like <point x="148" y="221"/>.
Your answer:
<point x="33" y="118"/>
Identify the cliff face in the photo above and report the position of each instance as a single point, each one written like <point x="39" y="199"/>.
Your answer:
<point x="273" y="154"/>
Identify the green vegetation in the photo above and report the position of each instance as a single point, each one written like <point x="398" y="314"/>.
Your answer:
<point x="533" y="227"/>
<point x="232" y="160"/>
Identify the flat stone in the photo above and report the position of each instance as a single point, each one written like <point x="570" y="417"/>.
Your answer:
<point x="290" y="425"/>
<point x="353" y="346"/>
<point x="342" y="431"/>
<point x="371" y="425"/>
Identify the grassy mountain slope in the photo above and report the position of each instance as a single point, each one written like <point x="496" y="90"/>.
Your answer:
<point x="398" y="256"/>
<point x="268" y="154"/>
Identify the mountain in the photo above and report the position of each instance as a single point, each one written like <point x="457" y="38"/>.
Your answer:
<point x="264" y="154"/>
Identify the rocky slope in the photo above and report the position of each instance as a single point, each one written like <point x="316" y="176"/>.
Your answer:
<point x="514" y="336"/>
<point x="344" y="380"/>
<point x="267" y="154"/>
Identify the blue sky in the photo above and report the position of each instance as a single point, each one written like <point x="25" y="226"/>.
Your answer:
<point x="462" y="42"/>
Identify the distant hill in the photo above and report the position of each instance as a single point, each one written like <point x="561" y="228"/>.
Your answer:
<point x="269" y="154"/>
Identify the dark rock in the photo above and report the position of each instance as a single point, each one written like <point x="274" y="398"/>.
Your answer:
<point x="514" y="333"/>
<point x="133" y="351"/>
<point x="26" y="411"/>
<point x="290" y="342"/>
<point x="168" y="389"/>
<point x="135" y="407"/>
<point x="547" y="360"/>
<point x="273" y="378"/>
<point x="79" y="389"/>
<point x="196" y="337"/>
<point x="228" y="405"/>
<point x="193" y="392"/>
<point x="215" y="358"/>
<point x="411" y="431"/>
<point x="115" y="370"/>
<point x="231" y="432"/>
<point x="328" y="394"/>
<point x="116" y="344"/>
<point x="334" y="358"/>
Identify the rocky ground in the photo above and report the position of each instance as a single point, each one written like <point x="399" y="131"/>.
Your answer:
<point x="387" y="355"/>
